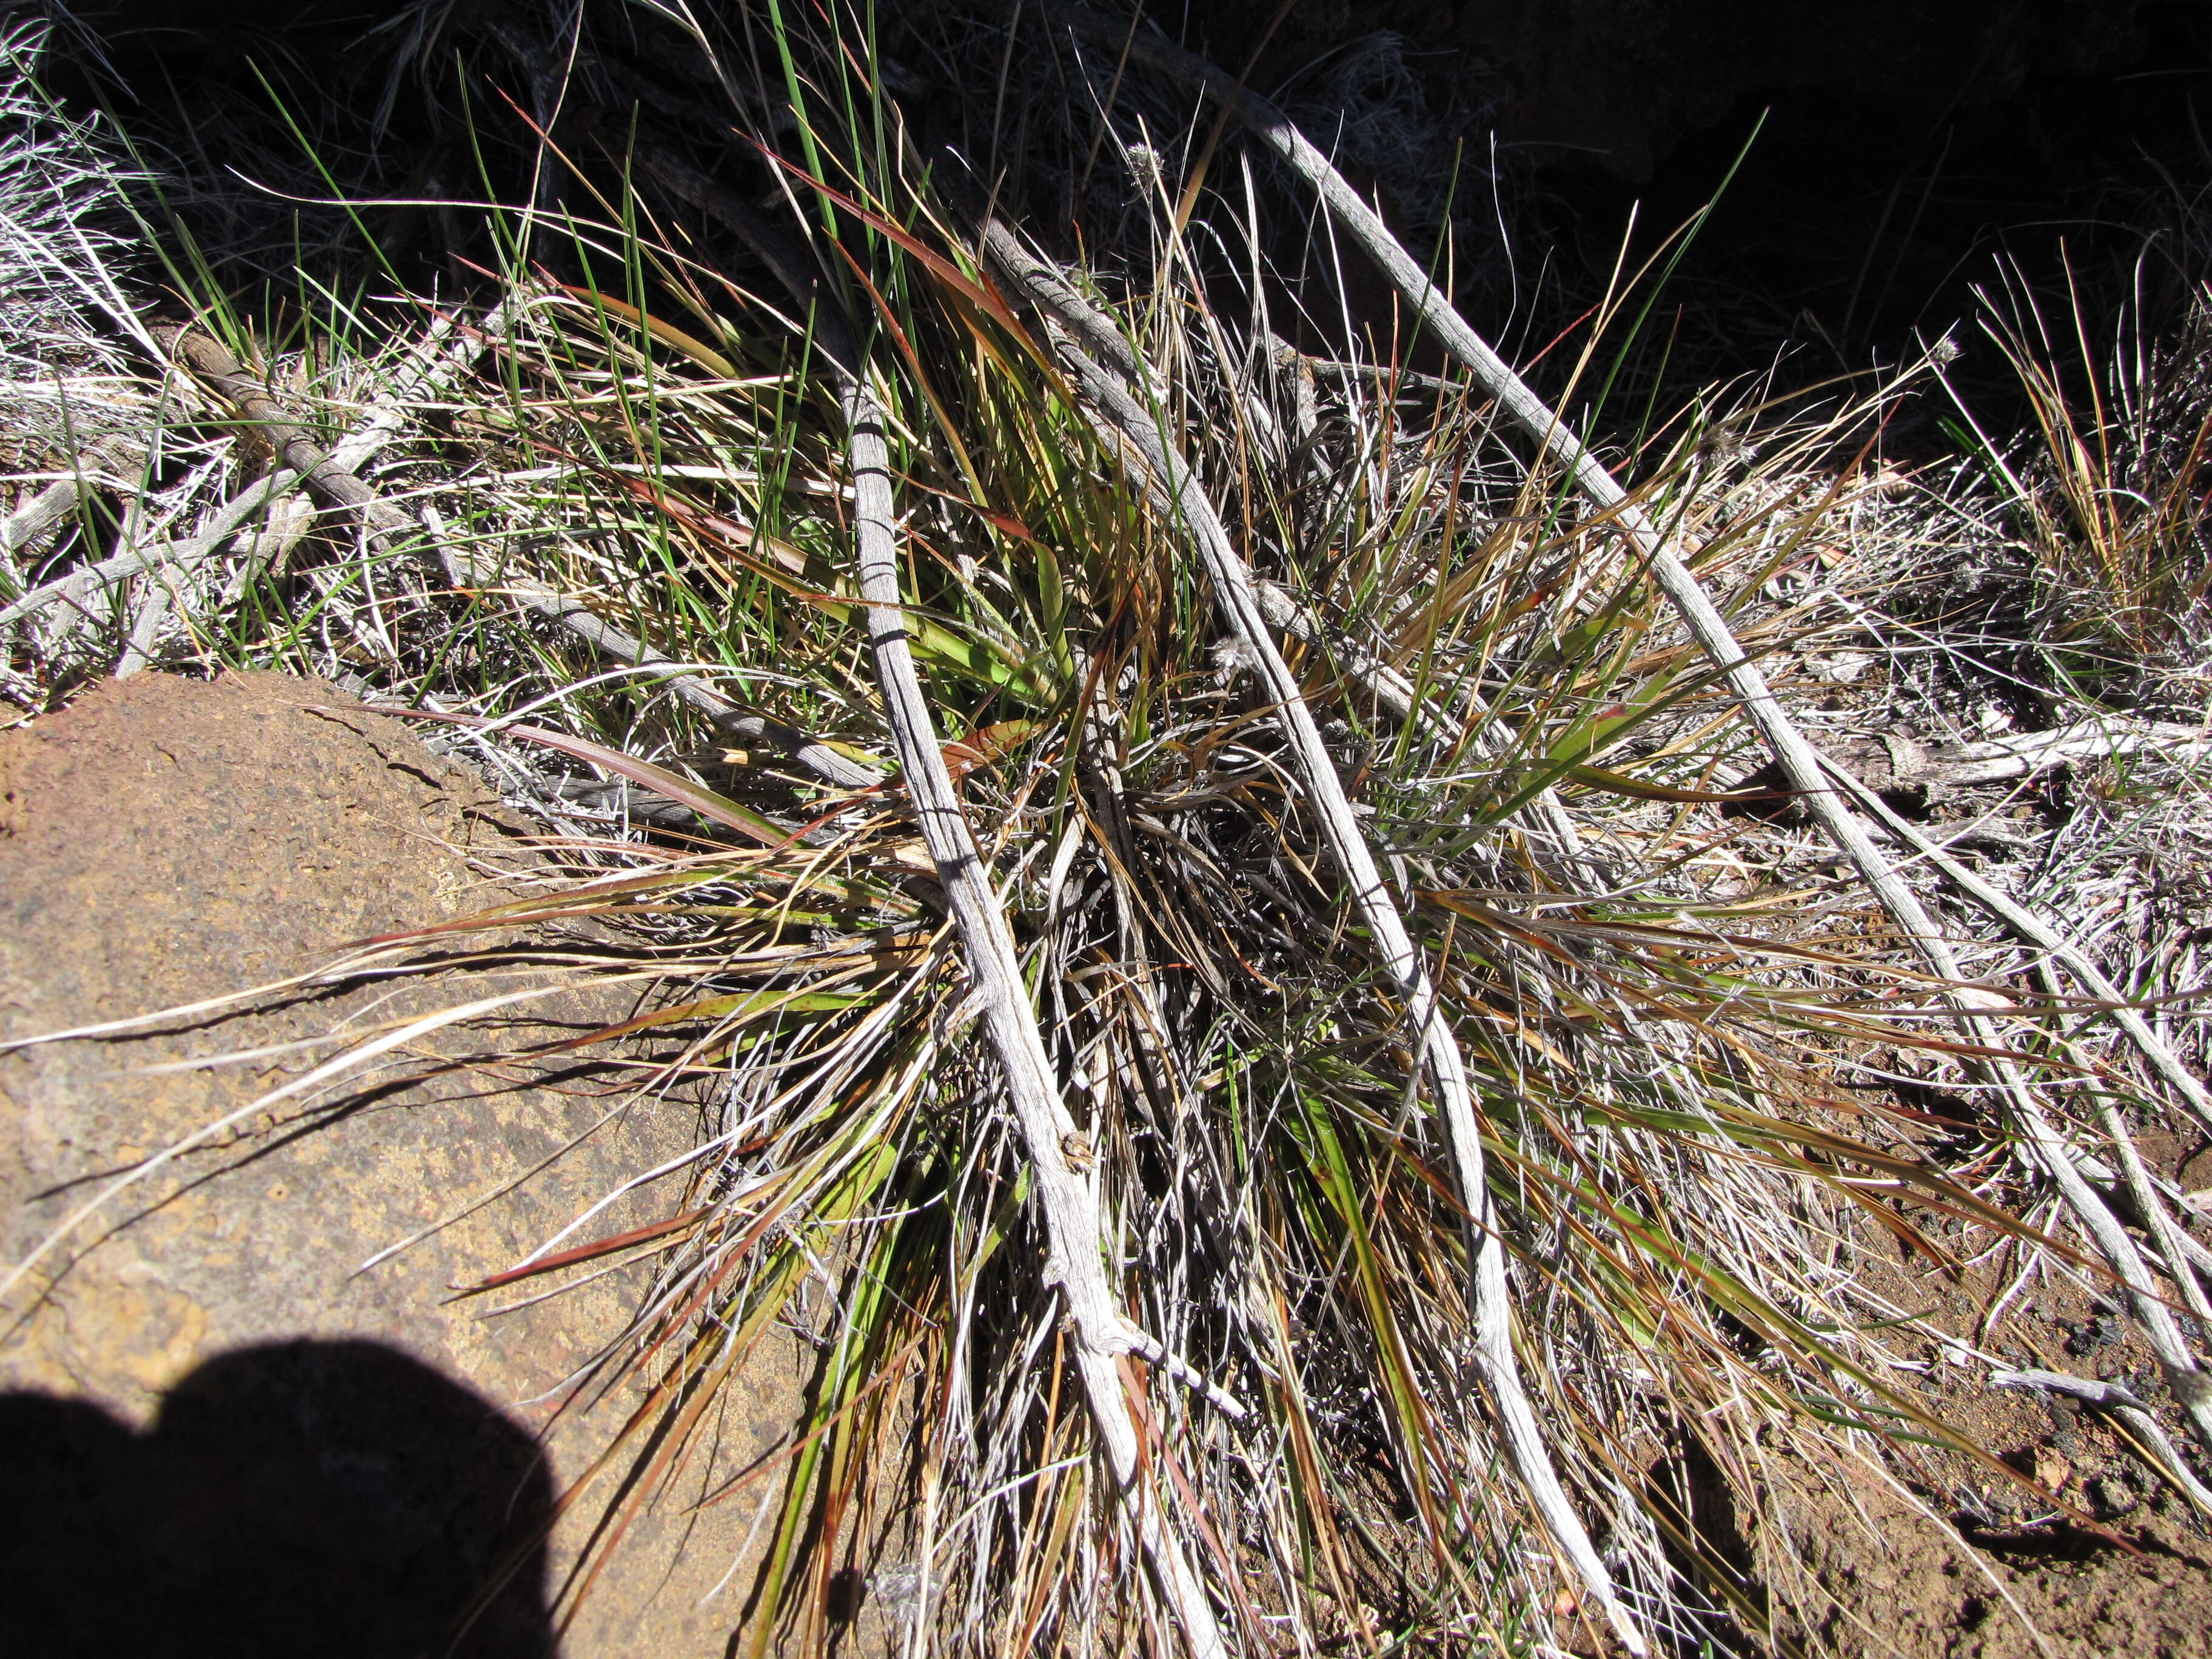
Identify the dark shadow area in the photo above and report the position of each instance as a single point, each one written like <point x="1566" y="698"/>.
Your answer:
<point x="1688" y="1494"/>
<point x="2022" y="1544"/>
<point x="1851" y="225"/>
<point x="333" y="1499"/>
<point x="1891" y="153"/>
<point x="1879" y="166"/>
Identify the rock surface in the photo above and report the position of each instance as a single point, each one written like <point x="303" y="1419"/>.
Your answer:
<point x="218" y="1425"/>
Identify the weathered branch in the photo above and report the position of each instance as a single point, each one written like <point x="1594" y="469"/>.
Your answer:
<point x="39" y="515"/>
<point x="1148" y="456"/>
<point x="1893" y="761"/>
<point x="2121" y="1401"/>
<point x="1068" y="1199"/>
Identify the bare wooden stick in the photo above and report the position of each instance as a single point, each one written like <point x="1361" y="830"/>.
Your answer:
<point x="686" y="680"/>
<point x="1069" y="1201"/>
<point x="1237" y="596"/>
<point x="2189" y="1382"/>
<point x="2121" y="1401"/>
<point x="336" y="487"/>
<point x="2150" y="1206"/>
<point x="39" y="515"/>
<point x="1898" y="763"/>
<point x="276" y="493"/>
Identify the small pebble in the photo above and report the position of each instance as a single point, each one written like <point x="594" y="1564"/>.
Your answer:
<point x="2091" y="1335"/>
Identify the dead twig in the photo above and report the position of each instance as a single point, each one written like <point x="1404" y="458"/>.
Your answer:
<point x="39" y="515"/>
<point x="2121" y="1402"/>
<point x="1148" y="456"/>
<point x="1069" y="1200"/>
<point x="1898" y="763"/>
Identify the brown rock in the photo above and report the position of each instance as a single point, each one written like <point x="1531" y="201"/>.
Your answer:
<point x="219" y="1430"/>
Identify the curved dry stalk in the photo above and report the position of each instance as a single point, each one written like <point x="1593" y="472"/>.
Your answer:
<point x="2040" y="934"/>
<point x="1055" y="297"/>
<point x="1546" y="817"/>
<point x="1238" y="597"/>
<point x="1801" y="764"/>
<point x="1070" y="1201"/>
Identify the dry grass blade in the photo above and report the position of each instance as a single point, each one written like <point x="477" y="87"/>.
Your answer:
<point x="1259" y="737"/>
<point x="1800" y="762"/>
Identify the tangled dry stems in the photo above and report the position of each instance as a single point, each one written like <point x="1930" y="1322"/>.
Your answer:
<point x="618" y="505"/>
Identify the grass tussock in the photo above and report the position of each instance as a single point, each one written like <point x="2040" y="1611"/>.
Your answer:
<point x="613" y="547"/>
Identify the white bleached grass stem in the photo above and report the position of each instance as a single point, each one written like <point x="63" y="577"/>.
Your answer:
<point x="1050" y="293"/>
<point x="1099" y="1335"/>
<point x="1237" y="596"/>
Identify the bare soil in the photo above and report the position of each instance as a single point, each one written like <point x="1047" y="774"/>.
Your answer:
<point x="1961" y="1558"/>
<point x="1872" y="1574"/>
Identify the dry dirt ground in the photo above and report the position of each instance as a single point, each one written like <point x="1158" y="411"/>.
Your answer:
<point x="1877" y="1575"/>
<point x="218" y="1435"/>
<point x="1951" y="1558"/>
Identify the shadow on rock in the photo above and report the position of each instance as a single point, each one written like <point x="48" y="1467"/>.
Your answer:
<point x="337" y="1498"/>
